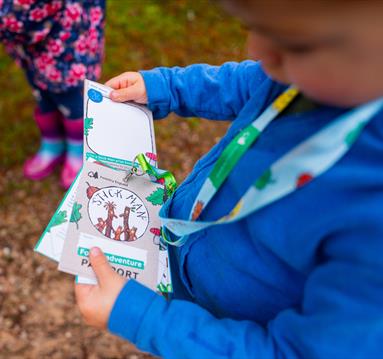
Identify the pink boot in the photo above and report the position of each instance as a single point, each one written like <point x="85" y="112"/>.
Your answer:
<point x="69" y="172"/>
<point x="52" y="148"/>
<point x="73" y="161"/>
<point x="37" y="167"/>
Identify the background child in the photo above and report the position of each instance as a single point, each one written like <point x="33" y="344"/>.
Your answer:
<point x="302" y="276"/>
<point x="58" y="44"/>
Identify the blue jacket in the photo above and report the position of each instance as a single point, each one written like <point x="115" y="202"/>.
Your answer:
<point x="300" y="278"/>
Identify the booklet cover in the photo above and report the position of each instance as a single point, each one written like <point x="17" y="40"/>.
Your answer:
<point x="114" y="133"/>
<point x="119" y="217"/>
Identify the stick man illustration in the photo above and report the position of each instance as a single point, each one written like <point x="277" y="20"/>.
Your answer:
<point x="125" y="217"/>
<point x="110" y="206"/>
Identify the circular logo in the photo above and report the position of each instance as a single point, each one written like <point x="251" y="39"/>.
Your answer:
<point x="95" y="95"/>
<point x="117" y="213"/>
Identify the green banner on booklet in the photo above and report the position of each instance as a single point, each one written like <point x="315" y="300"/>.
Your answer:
<point x="114" y="259"/>
<point x="102" y="158"/>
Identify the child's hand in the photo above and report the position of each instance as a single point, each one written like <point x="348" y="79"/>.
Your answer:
<point x="129" y="86"/>
<point x="96" y="301"/>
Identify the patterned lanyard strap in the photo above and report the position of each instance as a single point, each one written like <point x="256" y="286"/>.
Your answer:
<point x="306" y="161"/>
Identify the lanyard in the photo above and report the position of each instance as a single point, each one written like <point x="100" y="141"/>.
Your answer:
<point x="237" y="148"/>
<point x="299" y="166"/>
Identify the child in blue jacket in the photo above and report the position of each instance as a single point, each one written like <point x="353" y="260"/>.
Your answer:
<point x="300" y="276"/>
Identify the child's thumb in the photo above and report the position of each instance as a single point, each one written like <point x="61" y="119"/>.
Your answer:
<point x="101" y="266"/>
<point x="130" y="93"/>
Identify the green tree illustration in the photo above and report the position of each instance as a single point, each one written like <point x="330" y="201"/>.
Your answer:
<point x="59" y="218"/>
<point x="156" y="198"/>
<point x="88" y="125"/>
<point x="76" y="215"/>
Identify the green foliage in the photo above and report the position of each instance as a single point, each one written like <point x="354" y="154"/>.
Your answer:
<point x="157" y="197"/>
<point x="76" y="215"/>
<point x="59" y="218"/>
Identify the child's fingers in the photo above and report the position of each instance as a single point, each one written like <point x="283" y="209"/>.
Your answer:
<point x="124" y="80"/>
<point x="129" y="86"/>
<point x="101" y="267"/>
<point x="83" y="294"/>
<point x="82" y="291"/>
<point x="131" y="93"/>
<point x="118" y="82"/>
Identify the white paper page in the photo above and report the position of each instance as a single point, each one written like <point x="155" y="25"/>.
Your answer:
<point x="115" y="132"/>
<point x="51" y="242"/>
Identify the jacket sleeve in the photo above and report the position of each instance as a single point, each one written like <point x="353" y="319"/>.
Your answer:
<point x="340" y="315"/>
<point x="212" y="92"/>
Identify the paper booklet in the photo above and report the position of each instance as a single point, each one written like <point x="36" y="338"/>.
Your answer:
<point x="114" y="133"/>
<point x="118" y="216"/>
